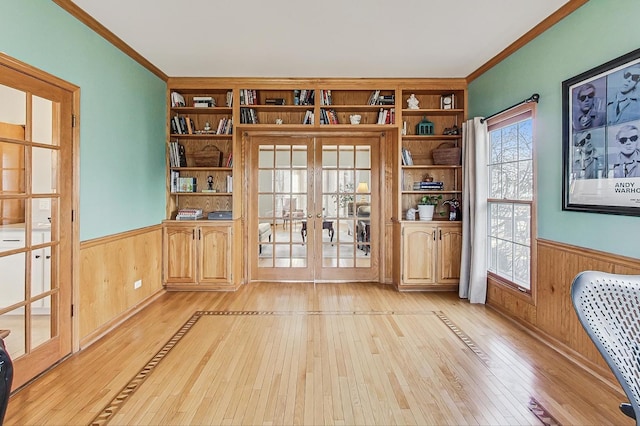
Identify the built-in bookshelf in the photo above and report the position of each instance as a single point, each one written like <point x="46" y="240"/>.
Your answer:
<point x="200" y="150"/>
<point x="436" y="123"/>
<point x="210" y="122"/>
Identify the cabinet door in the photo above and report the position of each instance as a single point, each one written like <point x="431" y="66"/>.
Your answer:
<point x="449" y="254"/>
<point x="214" y="254"/>
<point x="179" y="255"/>
<point x="419" y="255"/>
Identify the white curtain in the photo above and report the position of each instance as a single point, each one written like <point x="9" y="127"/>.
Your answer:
<point x="473" y="270"/>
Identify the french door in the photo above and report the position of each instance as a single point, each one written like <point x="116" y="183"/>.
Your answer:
<point x="313" y="210"/>
<point x="36" y="181"/>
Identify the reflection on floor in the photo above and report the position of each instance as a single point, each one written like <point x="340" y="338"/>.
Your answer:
<point x="288" y="248"/>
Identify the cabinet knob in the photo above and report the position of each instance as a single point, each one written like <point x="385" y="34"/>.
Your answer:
<point x="47" y="257"/>
<point x="37" y="256"/>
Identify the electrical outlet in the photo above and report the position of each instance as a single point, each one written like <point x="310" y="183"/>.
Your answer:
<point x="137" y="284"/>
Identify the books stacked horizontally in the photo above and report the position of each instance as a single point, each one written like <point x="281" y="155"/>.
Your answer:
<point x="204" y="101"/>
<point x="428" y="186"/>
<point x="189" y="214"/>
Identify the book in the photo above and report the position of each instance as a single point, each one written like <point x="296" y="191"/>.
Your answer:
<point x="177" y="100"/>
<point x="274" y="101"/>
<point x="406" y="157"/>
<point x="189" y="214"/>
<point x="373" y="98"/>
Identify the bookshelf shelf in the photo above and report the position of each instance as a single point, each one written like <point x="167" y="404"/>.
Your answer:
<point x="201" y="110"/>
<point x="202" y="194"/>
<point x="201" y="169"/>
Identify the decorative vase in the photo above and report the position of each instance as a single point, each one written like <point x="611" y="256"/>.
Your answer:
<point x="425" y="211"/>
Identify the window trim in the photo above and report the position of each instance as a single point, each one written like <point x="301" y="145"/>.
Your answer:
<point x="514" y="115"/>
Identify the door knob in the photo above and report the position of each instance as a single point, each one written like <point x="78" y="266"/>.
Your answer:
<point x="319" y="215"/>
<point x="309" y="216"/>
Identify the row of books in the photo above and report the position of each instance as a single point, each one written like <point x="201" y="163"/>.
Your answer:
<point x="387" y="116"/>
<point x="200" y="101"/>
<point x="303" y="97"/>
<point x="190" y="183"/>
<point x="428" y="186"/>
<point x="325" y="97"/>
<point x="225" y="126"/>
<point x="249" y="116"/>
<point x="377" y="99"/>
<point x="229" y="162"/>
<point x="248" y="97"/>
<point x="177" y="155"/>
<point x="183" y="184"/>
<point x="328" y="116"/>
<point x="407" y="160"/>
<point x="182" y="125"/>
<point x="309" y="117"/>
<point x="189" y="214"/>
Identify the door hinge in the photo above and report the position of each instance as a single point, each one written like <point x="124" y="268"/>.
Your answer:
<point x="73" y="215"/>
<point x="72" y="309"/>
<point x="73" y="120"/>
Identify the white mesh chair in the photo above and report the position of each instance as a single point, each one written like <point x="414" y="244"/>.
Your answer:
<point x="608" y="306"/>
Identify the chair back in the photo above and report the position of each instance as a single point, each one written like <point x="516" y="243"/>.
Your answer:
<point x="6" y="378"/>
<point x="608" y="307"/>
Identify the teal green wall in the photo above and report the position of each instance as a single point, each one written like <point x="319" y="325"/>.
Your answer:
<point x="597" y="32"/>
<point x="122" y="114"/>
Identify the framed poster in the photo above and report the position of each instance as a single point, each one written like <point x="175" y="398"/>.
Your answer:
<point x="600" y="146"/>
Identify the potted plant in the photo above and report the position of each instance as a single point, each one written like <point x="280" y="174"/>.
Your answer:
<point x="427" y="205"/>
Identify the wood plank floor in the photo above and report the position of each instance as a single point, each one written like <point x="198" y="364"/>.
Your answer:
<point x="342" y="354"/>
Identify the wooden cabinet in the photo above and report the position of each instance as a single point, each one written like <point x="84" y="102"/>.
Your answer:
<point x="197" y="256"/>
<point x="431" y="254"/>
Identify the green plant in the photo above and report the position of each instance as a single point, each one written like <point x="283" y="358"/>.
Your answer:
<point x="345" y="195"/>
<point x="430" y="199"/>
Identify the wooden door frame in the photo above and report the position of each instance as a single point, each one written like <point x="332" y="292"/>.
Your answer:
<point x="249" y="176"/>
<point x="251" y="222"/>
<point x="71" y="164"/>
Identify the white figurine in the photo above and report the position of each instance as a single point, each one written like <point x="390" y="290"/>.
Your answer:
<point x="411" y="214"/>
<point x="412" y="102"/>
<point x="207" y="126"/>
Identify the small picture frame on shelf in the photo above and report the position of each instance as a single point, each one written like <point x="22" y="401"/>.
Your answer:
<point x="447" y="101"/>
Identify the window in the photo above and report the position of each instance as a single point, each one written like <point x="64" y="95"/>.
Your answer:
<point x="510" y="204"/>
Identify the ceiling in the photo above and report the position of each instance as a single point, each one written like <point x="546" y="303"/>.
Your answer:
<point x="328" y="38"/>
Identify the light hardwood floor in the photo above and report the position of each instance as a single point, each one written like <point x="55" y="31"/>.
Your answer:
<point x="327" y="354"/>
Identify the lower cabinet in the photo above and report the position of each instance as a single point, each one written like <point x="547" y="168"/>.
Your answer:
<point x="197" y="256"/>
<point x="430" y="254"/>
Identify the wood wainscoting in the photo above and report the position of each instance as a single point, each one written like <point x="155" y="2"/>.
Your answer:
<point x="109" y="266"/>
<point x="549" y="312"/>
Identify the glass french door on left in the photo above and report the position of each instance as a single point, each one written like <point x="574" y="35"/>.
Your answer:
<point x="35" y="225"/>
<point x="280" y="205"/>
